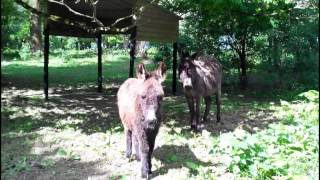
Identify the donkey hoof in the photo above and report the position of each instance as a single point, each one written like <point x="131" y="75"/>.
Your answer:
<point x="205" y="119"/>
<point x="128" y="155"/>
<point x="137" y="157"/>
<point x="146" y="175"/>
<point x="195" y="128"/>
<point x="219" y="122"/>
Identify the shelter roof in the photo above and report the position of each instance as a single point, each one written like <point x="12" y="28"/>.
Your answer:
<point x="153" y="24"/>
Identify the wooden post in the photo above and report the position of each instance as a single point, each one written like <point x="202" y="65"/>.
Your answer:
<point x="132" y="50"/>
<point x="99" y="63"/>
<point x="174" y="69"/>
<point x="46" y="62"/>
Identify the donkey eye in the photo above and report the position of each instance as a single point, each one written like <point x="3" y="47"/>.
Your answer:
<point x="189" y="72"/>
<point x="143" y="97"/>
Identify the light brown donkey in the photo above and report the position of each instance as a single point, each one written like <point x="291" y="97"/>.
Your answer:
<point x="139" y="103"/>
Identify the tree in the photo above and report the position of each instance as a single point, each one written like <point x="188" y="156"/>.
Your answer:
<point x="14" y="27"/>
<point x="35" y="28"/>
<point x="230" y="24"/>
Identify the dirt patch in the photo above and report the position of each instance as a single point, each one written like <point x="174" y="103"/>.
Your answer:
<point x="77" y="135"/>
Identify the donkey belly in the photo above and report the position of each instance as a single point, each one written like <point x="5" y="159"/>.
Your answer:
<point x="126" y="102"/>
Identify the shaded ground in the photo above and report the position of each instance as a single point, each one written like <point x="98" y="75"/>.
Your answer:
<point x="78" y="135"/>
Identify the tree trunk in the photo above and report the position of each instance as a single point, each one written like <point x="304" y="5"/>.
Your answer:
<point x="35" y="28"/>
<point x="270" y="45"/>
<point x="141" y="48"/>
<point x="243" y="63"/>
<point x="243" y="75"/>
<point x="275" y="53"/>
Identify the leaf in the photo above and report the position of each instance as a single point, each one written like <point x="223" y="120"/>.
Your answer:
<point x="284" y="103"/>
<point x="192" y="165"/>
<point x="61" y="152"/>
<point x="75" y="157"/>
<point x="311" y="95"/>
<point x="274" y="23"/>
<point x="236" y="159"/>
<point x="173" y="158"/>
<point x="296" y="147"/>
<point x="46" y="163"/>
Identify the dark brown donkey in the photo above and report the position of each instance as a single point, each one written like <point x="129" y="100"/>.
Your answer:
<point x="201" y="77"/>
<point x="139" y="103"/>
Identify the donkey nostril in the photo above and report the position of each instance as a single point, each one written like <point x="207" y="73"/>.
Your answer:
<point x="187" y="87"/>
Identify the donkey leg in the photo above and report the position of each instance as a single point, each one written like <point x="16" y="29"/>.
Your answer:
<point x="136" y="147"/>
<point x="197" y="101"/>
<point x="191" y="110"/>
<point x="208" y="105"/>
<point x="151" y="141"/>
<point x="144" y="149"/>
<point x="218" y="101"/>
<point x="129" y="143"/>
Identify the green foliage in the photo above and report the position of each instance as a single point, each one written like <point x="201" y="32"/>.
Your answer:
<point x="274" y="36"/>
<point x="310" y="96"/>
<point x="11" y="53"/>
<point x="67" y="154"/>
<point x="14" y="25"/>
<point x="162" y="53"/>
<point x="114" y="42"/>
<point x="287" y="149"/>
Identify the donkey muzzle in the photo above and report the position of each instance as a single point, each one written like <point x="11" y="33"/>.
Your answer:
<point x="187" y="84"/>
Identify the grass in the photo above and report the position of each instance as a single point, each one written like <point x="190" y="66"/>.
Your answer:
<point x="265" y="134"/>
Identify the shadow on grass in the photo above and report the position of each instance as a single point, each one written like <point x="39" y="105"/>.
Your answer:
<point x="85" y="109"/>
<point x="176" y="157"/>
<point x="19" y="160"/>
<point x="238" y="111"/>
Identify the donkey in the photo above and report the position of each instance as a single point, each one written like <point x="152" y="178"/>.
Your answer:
<point x="201" y="77"/>
<point x="139" y="104"/>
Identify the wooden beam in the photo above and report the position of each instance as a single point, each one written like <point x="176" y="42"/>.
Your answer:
<point x="99" y="63"/>
<point x="46" y="63"/>
<point x="174" y="69"/>
<point x="132" y="50"/>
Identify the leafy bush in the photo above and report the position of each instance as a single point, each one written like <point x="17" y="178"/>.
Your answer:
<point x="11" y="53"/>
<point x="163" y="53"/>
<point x="25" y="51"/>
<point x="289" y="148"/>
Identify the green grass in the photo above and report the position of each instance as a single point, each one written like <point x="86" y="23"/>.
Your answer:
<point x="77" y="70"/>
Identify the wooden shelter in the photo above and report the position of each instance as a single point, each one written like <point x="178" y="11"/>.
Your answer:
<point x="152" y="24"/>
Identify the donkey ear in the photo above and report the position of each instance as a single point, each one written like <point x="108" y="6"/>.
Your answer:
<point x="194" y="55"/>
<point x="161" y="71"/>
<point x="141" y="72"/>
<point x="185" y="53"/>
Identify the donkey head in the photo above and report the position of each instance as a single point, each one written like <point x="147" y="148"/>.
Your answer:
<point x="187" y="70"/>
<point x="151" y="93"/>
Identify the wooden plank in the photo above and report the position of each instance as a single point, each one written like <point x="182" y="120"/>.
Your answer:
<point x="157" y="9"/>
<point x="154" y="21"/>
<point x="156" y="38"/>
<point x="157" y="32"/>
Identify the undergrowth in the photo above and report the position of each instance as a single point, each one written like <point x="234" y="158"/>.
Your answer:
<point x="287" y="149"/>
